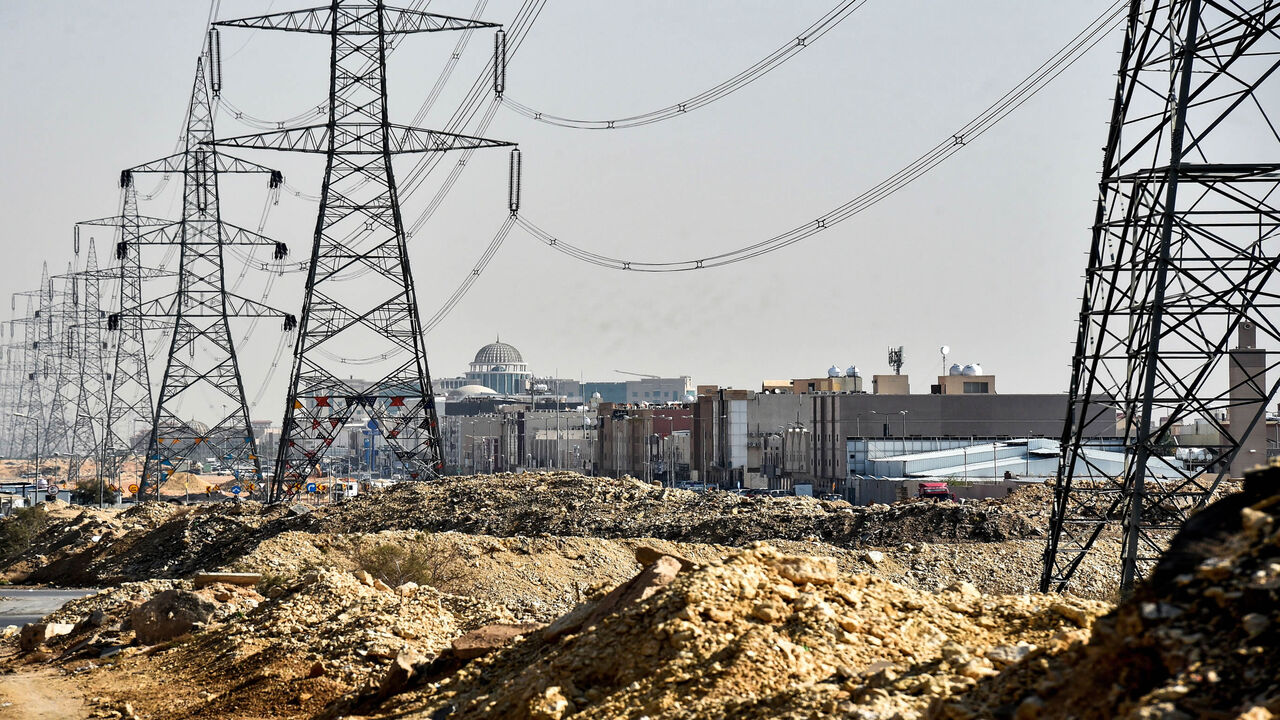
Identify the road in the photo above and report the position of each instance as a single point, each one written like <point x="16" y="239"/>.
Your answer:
<point x="19" y="605"/>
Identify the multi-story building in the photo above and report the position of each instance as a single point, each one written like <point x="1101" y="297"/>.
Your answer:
<point x="658" y="390"/>
<point x="649" y="443"/>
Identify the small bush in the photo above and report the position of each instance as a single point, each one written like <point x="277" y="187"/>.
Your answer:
<point x="396" y="565"/>
<point x="19" y="529"/>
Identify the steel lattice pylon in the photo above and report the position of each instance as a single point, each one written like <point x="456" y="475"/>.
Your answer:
<point x="1180" y="303"/>
<point x="359" y="236"/>
<point x="129" y="398"/>
<point x="30" y="403"/>
<point x="201" y="366"/>
<point x="26" y="393"/>
<point x="61" y="307"/>
<point x="86" y="335"/>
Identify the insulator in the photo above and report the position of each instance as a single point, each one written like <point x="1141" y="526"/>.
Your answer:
<point x="76" y="242"/>
<point x="113" y="321"/>
<point x="282" y="251"/>
<point x="75" y="291"/>
<point x="499" y="62"/>
<point x="122" y="250"/>
<point x="215" y="60"/>
<point x="513" y="182"/>
<point x="277" y="179"/>
<point x="126" y="178"/>
<point x="290" y="322"/>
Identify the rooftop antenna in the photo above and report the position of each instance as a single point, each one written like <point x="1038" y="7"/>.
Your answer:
<point x="945" y="350"/>
<point x="895" y="359"/>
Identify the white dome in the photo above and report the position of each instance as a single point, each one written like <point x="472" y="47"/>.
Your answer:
<point x="467" y="391"/>
<point x="498" y="352"/>
<point x="596" y="396"/>
<point x="853" y="371"/>
<point x="834" y="372"/>
<point x="971" y="369"/>
<point x="955" y="369"/>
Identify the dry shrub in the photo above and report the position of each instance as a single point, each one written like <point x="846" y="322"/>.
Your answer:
<point x="396" y="564"/>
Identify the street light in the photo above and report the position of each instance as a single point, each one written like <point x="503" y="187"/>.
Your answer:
<point x="24" y="416"/>
<point x="904" y="423"/>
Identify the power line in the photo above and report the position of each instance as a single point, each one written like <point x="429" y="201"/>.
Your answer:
<point x="1050" y="69"/>
<point x="762" y="67"/>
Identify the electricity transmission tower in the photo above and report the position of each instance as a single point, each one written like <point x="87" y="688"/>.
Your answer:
<point x="359" y="236"/>
<point x="1181" y="290"/>
<point x="90" y="378"/>
<point x="129" y="398"/>
<point x="29" y="406"/>
<point x="60" y="307"/>
<point x="202" y="366"/>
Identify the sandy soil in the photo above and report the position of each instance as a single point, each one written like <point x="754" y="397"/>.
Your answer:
<point x="40" y="694"/>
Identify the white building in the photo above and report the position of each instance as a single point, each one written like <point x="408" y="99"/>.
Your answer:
<point x="499" y="367"/>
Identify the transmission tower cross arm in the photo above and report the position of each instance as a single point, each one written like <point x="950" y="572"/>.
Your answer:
<point x="357" y="20"/>
<point x="172" y="234"/>
<point x="361" y="139"/>
<point x="237" y="306"/>
<point x="223" y="164"/>
<point x="118" y="220"/>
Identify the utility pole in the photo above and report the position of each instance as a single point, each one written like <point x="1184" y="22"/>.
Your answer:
<point x="359" y="233"/>
<point x="202" y="361"/>
<point x="1181" y="265"/>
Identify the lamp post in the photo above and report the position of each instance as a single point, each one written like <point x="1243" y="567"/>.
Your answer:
<point x="904" y="425"/>
<point x="37" y="468"/>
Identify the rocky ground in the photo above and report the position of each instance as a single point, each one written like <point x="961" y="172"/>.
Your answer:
<point x="557" y="596"/>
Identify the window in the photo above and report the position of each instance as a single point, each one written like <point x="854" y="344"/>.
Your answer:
<point x="975" y="387"/>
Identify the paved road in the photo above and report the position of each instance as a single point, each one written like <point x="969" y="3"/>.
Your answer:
<point x="19" y="605"/>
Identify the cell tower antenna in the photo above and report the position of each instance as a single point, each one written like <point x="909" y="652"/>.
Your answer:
<point x="359" y="233"/>
<point x="896" y="359"/>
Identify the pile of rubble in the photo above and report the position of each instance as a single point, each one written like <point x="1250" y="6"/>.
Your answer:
<point x="153" y="540"/>
<point x="1197" y="640"/>
<point x="759" y="635"/>
<point x="570" y="504"/>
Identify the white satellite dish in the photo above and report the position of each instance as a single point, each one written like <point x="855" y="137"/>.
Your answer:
<point x="945" y="350"/>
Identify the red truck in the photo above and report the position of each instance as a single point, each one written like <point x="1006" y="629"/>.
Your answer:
<point x="935" y="491"/>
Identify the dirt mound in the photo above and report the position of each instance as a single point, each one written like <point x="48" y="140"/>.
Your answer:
<point x="156" y="540"/>
<point x="760" y="635"/>
<point x="1197" y="640"/>
<point x="574" y="505"/>
<point x="310" y="641"/>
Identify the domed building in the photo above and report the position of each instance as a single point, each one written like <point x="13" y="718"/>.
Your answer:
<point x="500" y="367"/>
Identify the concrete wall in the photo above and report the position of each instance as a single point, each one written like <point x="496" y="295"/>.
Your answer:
<point x="864" y="491"/>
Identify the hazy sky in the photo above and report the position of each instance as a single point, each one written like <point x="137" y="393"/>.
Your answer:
<point x="985" y="254"/>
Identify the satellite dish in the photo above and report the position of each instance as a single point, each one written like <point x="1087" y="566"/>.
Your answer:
<point x="945" y="350"/>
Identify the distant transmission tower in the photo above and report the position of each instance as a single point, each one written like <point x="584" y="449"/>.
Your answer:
<point x="1182" y="293"/>
<point x="202" y="369"/>
<point x="60" y="306"/>
<point x="360" y="295"/>
<point x="129" y="398"/>
<point x="25" y="378"/>
<point x="86" y="342"/>
<point x="27" y="413"/>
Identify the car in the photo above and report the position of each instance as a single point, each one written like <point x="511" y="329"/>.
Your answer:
<point x="831" y="496"/>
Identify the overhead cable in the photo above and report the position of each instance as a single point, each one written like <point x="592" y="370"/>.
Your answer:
<point x="975" y="128"/>
<point x="762" y="67"/>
